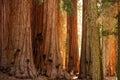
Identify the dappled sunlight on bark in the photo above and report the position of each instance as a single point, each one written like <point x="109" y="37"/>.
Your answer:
<point x="112" y="58"/>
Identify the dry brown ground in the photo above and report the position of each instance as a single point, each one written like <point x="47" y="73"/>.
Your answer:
<point x="7" y="77"/>
<point x="4" y="76"/>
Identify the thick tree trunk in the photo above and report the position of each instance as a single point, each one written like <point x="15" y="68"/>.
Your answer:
<point x="83" y="46"/>
<point x="51" y="55"/>
<point x="37" y="33"/>
<point x="109" y="42"/>
<point x="45" y="32"/>
<point x="73" y="40"/>
<point x="88" y="35"/>
<point x="85" y="59"/>
<point x="95" y="43"/>
<point x="4" y="20"/>
<point x="17" y="43"/>
<point x="109" y="47"/>
<point x="62" y="33"/>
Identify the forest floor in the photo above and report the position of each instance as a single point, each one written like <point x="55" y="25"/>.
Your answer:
<point x="111" y="78"/>
<point x="7" y="77"/>
<point x="4" y="76"/>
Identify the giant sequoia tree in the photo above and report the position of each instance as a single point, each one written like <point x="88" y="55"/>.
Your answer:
<point x="73" y="40"/>
<point x="37" y="34"/>
<point x="33" y="39"/>
<point x="30" y="31"/>
<point x="85" y="48"/>
<point x="95" y="45"/>
<point x="16" y="50"/>
<point x="90" y="53"/>
<point x="49" y="53"/>
<point x="107" y="22"/>
<point x="62" y="31"/>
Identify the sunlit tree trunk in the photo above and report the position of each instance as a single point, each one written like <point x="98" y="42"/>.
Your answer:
<point x="83" y="46"/>
<point x="73" y="40"/>
<point x="62" y="33"/>
<point x="16" y="38"/>
<point x="109" y="41"/>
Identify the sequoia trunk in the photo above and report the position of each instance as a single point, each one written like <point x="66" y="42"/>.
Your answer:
<point x="95" y="43"/>
<point x="73" y="40"/>
<point x="51" y="54"/>
<point x="85" y="59"/>
<point x="16" y="38"/>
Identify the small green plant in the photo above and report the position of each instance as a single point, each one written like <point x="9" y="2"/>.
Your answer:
<point x="108" y="2"/>
<point x="106" y="33"/>
<point x="68" y="6"/>
<point x="40" y="1"/>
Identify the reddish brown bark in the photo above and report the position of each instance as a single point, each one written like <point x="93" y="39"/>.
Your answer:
<point x="83" y="46"/>
<point x="16" y="38"/>
<point x="118" y="60"/>
<point x="46" y="51"/>
<point x="73" y="40"/>
<point x="30" y="30"/>
<point x="62" y="33"/>
<point x="4" y="20"/>
<point x="85" y="59"/>
<point x="51" y="37"/>
<point x="37" y="33"/>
